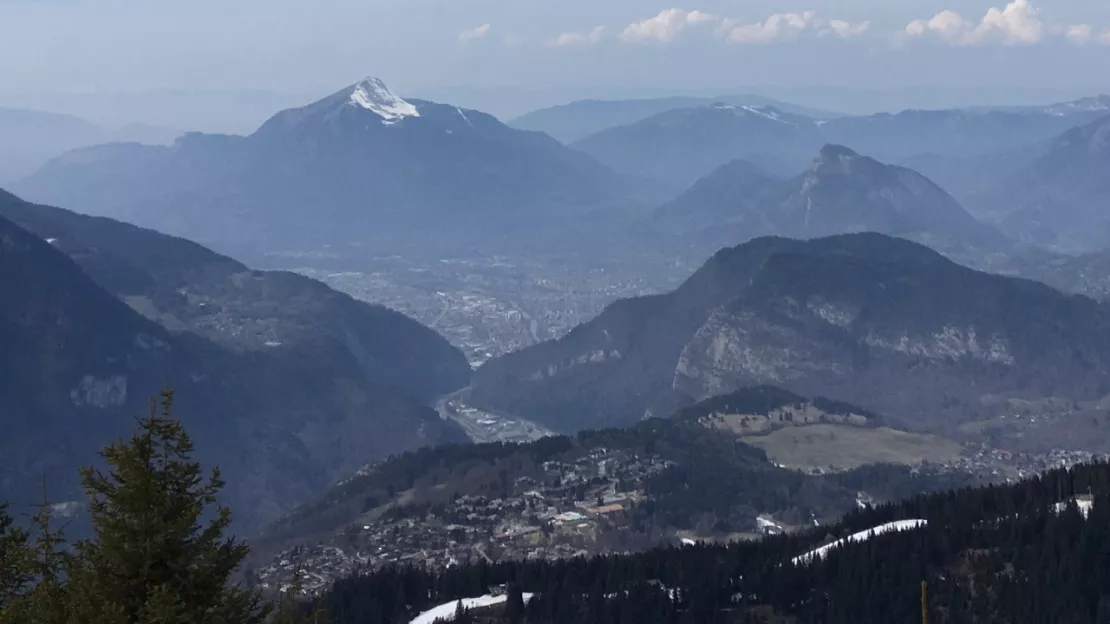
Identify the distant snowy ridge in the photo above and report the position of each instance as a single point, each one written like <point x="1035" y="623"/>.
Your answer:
<point x="890" y="527"/>
<point x="766" y="112"/>
<point x="446" y="611"/>
<point x="372" y="95"/>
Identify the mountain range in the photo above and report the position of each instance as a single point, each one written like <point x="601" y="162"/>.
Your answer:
<point x="360" y="165"/>
<point x="682" y="145"/>
<point x="282" y="381"/>
<point x="841" y="317"/>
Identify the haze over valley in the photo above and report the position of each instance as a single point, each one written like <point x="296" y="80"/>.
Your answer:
<point x="660" y="316"/>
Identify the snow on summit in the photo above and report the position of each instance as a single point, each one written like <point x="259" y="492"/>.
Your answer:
<point x="372" y="95"/>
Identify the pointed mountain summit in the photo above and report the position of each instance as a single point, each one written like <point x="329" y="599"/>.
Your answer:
<point x="844" y="191"/>
<point x="840" y="193"/>
<point x="349" y="167"/>
<point x="372" y="95"/>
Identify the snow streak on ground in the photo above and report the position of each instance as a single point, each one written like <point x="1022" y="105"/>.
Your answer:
<point x="900" y="525"/>
<point x="446" y="611"/>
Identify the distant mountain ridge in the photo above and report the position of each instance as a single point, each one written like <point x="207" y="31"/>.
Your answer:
<point x="32" y="137"/>
<point x="837" y="317"/>
<point x="576" y="120"/>
<point x="682" y="145"/>
<point x="282" y="381"/>
<point x="347" y="167"/>
<point x="1059" y="198"/>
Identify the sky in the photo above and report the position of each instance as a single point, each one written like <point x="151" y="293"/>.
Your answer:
<point x="90" y="49"/>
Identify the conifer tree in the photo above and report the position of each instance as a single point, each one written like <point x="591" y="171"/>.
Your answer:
<point x="40" y="594"/>
<point x="156" y="555"/>
<point x="14" y="560"/>
<point x="514" y="605"/>
<point x="462" y="614"/>
<point x="289" y="608"/>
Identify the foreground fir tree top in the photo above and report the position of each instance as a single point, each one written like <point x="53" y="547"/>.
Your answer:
<point x="157" y="556"/>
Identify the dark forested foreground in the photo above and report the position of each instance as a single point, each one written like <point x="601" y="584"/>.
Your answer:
<point x="998" y="554"/>
<point x="1035" y="551"/>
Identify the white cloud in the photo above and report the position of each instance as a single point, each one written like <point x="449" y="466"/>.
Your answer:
<point x="1018" y="23"/>
<point x="474" y="33"/>
<point x="847" y="29"/>
<point x="789" y="26"/>
<point x="778" y="27"/>
<point x="1104" y="38"/>
<point x="1080" y="34"/>
<point x="666" y="26"/>
<point x="577" y="39"/>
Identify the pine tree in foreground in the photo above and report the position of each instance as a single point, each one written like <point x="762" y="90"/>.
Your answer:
<point x="154" y="557"/>
<point x="42" y="597"/>
<point x="14" y="561"/>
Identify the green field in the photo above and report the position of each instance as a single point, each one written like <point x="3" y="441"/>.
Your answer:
<point x="843" y="447"/>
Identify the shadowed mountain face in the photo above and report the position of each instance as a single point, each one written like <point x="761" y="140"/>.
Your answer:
<point x="283" y="382"/>
<point x="1059" y="199"/>
<point x="882" y="322"/>
<point x="360" y="165"/>
<point x="185" y="287"/>
<point x="841" y="192"/>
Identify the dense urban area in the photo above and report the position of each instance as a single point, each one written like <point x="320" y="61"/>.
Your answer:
<point x="489" y="306"/>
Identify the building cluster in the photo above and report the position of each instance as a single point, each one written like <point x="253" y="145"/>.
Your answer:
<point x="563" y="512"/>
<point x="994" y="463"/>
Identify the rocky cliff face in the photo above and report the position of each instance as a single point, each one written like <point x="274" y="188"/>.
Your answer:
<point x="882" y="322"/>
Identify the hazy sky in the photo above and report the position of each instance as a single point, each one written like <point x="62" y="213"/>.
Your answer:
<point x="313" y="46"/>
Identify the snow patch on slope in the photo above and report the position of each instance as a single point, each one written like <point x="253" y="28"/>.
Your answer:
<point x="1084" y="505"/>
<point x="446" y="611"/>
<point x="760" y="111"/>
<point x="372" y="94"/>
<point x="768" y="113"/>
<point x="890" y="527"/>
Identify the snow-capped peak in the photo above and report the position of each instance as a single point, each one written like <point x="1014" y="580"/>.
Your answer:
<point x="372" y="95"/>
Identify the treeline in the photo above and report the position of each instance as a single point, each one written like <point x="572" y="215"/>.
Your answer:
<point x="159" y="552"/>
<point x="993" y="554"/>
<point x="763" y="400"/>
